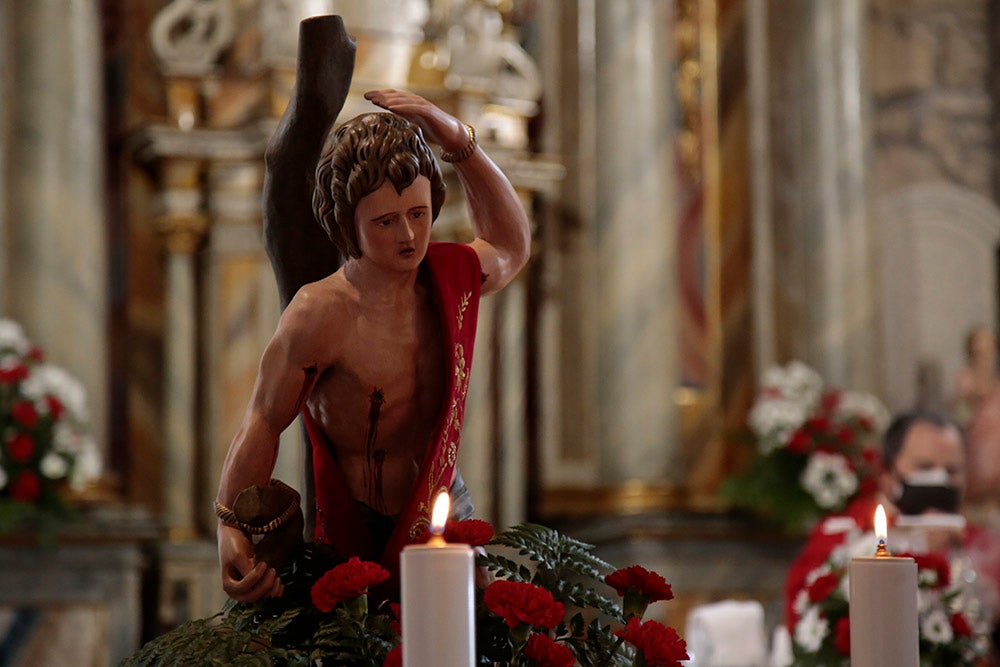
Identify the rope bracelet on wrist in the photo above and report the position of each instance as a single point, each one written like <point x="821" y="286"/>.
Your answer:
<point x="469" y="149"/>
<point x="228" y="517"/>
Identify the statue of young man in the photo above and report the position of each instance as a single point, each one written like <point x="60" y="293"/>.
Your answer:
<point x="376" y="356"/>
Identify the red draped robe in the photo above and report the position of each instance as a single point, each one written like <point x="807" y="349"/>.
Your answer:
<point x="456" y="279"/>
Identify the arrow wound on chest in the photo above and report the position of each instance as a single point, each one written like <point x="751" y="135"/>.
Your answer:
<point x="374" y="458"/>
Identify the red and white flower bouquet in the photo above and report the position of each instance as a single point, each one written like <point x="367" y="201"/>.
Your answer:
<point x="816" y="448"/>
<point x="44" y="447"/>
<point x="953" y="632"/>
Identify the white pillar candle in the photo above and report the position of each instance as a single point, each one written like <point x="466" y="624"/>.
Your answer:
<point x="438" y="602"/>
<point x="883" y="607"/>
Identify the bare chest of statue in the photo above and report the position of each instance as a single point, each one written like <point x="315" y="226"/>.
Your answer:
<point x="379" y="403"/>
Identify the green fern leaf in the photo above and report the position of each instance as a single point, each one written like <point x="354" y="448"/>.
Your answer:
<point x="504" y="567"/>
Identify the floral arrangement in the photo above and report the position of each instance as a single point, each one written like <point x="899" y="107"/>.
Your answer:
<point x="542" y="610"/>
<point x="950" y="631"/>
<point x="44" y="448"/>
<point x="814" y="448"/>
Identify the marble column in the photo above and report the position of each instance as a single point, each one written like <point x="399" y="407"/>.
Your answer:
<point x="635" y="231"/>
<point x="510" y="463"/>
<point x="818" y="282"/>
<point x="183" y="225"/>
<point x="567" y="438"/>
<point x="55" y="245"/>
<point x="762" y="228"/>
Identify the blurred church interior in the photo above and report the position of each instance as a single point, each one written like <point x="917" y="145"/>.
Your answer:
<point x="715" y="186"/>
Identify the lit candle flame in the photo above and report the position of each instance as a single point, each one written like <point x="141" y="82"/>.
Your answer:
<point x="881" y="531"/>
<point x="439" y="515"/>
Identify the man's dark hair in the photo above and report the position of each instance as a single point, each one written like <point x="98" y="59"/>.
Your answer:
<point x="895" y="435"/>
<point x="357" y="159"/>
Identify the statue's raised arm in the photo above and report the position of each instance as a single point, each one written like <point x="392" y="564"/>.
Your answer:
<point x="499" y="221"/>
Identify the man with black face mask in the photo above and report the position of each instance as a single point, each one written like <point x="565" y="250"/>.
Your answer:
<point x="923" y="475"/>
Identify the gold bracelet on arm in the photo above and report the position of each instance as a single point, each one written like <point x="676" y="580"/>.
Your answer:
<point x="229" y="518"/>
<point x="470" y="148"/>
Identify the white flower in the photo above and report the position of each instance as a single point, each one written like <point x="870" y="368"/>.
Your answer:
<point x="54" y="466"/>
<point x="829" y="479"/>
<point x="794" y="379"/>
<point x="788" y="397"/>
<point x="859" y="545"/>
<point x="65" y="438"/>
<point x="87" y="467"/>
<point x="845" y="587"/>
<point x="32" y="388"/>
<point x="935" y="627"/>
<point x="774" y="421"/>
<point x="816" y="573"/>
<point x="8" y="361"/>
<point x="927" y="577"/>
<point x="811" y="630"/>
<point x="12" y="337"/>
<point x="801" y="602"/>
<point x="928" y="601"/>
<point x="56" y="381"/>
<point x="862" y="404"/>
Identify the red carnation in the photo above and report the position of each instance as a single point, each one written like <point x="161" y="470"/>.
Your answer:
<point x="56" y="408"/>
<point x="346" y="581"/>
<point x="26" y="487"/>
<point x="936" y="563"/>
<point x="799" y="442"/>
<point x="829" y="401"/>
<point x="517" y="602"/>
<point x="960" y="626"/>
<point x="658" y="644"/>
<point x="394" y="658"/>
<point x="822" y="587"/>
<point x="867" y="423"/>
<point x="36" y="353"/>
<point x="21" y="447"/>
<point x="818" y="425"/>
<point x="13" y="374"/>
<point x="543" y="651"/>
<point x="25" y="413"/>
<point x="872" y="458"/>
<point x="648" y="583"/>
<point x="474" y="532"/>
<point x="844" y="435"/>
<point x="869" y="485"/>
<point x="842" y="636"/>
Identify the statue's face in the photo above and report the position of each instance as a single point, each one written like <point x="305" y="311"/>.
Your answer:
<point x="395" y="228"/>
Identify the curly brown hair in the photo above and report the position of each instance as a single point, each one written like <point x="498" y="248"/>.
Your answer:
<point x="357" y="159"/>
